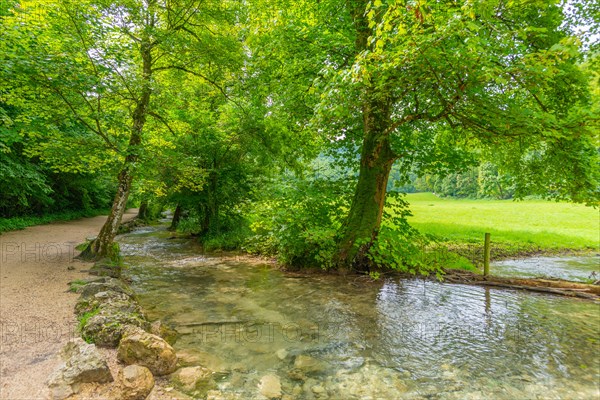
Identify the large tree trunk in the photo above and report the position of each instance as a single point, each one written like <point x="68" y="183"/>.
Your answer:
<point x="364" y="218"/>
<point x="101" y="247"/>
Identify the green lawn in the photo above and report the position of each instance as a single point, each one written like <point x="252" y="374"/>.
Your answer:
<point x="530" y="223"/>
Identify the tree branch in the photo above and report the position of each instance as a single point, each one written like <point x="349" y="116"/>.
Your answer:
<point x="207" y="79"/>
<point x="164" y="122"/>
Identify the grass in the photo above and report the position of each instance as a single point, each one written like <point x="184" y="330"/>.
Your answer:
<point x="17" y="223"/>
<point x="528" y="224"/>
<point x="76" y="284"/>
<point x="83" y="320"/>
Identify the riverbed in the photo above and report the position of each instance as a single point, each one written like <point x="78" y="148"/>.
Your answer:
<point x="330" y="337"/>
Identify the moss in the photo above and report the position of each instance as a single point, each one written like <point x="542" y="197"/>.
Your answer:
<point x="76" y="284"/>
<point x="114" y="254"/>
<point x="82" y="246"/>
<point x="107" y="267"/>
<point x="83" y="320"/>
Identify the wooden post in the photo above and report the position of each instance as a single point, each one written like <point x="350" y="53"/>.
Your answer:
<point x="486" y="255"/>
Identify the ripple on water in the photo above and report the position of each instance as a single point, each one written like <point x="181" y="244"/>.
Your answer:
<point x="411" y="338"/>
<point x="576" y="268"/>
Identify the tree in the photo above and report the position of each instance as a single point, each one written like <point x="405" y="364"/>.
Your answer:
<point x="437" y="81"/>
<point x="102" y="59"/>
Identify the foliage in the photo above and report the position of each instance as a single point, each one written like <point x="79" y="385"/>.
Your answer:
<point x="484" y="181"/>
<point x="400" y="247"/>
<point x="261" y="117"/>
<point x="297" y="220"/>
<point x="415" y="254"/>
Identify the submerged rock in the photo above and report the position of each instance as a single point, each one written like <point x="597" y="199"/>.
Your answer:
<point x="106" y="267"/>
<point x="270" y="386"/>
<point x="163" y="330"/>
<point x="219" y="395"/>
<point x="151" y="351"/>
<point x="370" y="381"/>
<point x="318" y="389"/>
<point x="196" y="381"/>
<point x="296" y="375"/>
<point x="281" y="354"/>
<point x="136" y="382"/>
<point x="309" y="365"/>
<point x="83" y="364"/>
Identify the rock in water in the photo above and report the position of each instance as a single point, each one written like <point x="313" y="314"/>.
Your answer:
<point x="270" y="386"/>
<point x="281" y="354"/>
<point x="196" y="381"/>
<point x="137" y="382"/>
<point x="166" y="332"/>
<point x="140" y="347"/>
<point x="309" y="365"/>
<point x="83" y="364"/>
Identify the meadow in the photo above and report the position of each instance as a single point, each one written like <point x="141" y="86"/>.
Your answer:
<point x="530" y="224"/>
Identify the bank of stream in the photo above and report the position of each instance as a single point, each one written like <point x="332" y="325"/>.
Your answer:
<point x="346" y="338"/>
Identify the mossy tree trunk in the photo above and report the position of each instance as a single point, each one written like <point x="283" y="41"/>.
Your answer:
<point x="364" y="218"/>
<point x="362" y="224"/>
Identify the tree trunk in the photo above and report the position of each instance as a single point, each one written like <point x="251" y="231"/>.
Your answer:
<point x="143" y="211"/>
<point x="176" y="218"/>
<point x="364" y="218"/>
<point x="101" y="247"/>
<point x="211" y="222"/>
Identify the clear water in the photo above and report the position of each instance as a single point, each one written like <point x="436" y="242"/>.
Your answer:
<point x="386" y="340"/>
<point x="581" y="269"/>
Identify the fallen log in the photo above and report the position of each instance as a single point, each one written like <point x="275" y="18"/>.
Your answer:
<point x="542" y="285"/>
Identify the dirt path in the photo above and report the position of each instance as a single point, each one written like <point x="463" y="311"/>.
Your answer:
<point x="36" y="310"/>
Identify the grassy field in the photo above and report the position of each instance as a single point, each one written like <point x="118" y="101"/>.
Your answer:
<point x="530" y="224"/>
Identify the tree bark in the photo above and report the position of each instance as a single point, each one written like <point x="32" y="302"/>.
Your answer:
<point x="176" y="218"/>
<point x="364" y="218"/>
<point x="143" y="211"/>
<point x="101" y="247"/>
<point x="366" y="211"/>
<point x="210" y="222"/>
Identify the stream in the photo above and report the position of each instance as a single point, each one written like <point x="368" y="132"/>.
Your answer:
<point x="329" y="337"/>
<point x="575" y="268"/>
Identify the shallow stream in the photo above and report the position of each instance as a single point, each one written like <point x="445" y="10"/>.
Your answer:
<point x="573" y="268"/>
<point x="346" y="338"/>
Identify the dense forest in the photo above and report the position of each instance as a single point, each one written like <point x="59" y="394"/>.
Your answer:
<point x="291" y="128"/>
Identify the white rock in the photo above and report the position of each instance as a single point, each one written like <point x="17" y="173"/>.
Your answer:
<point x="270" y="386"/>
<point x="282" y="354"/>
